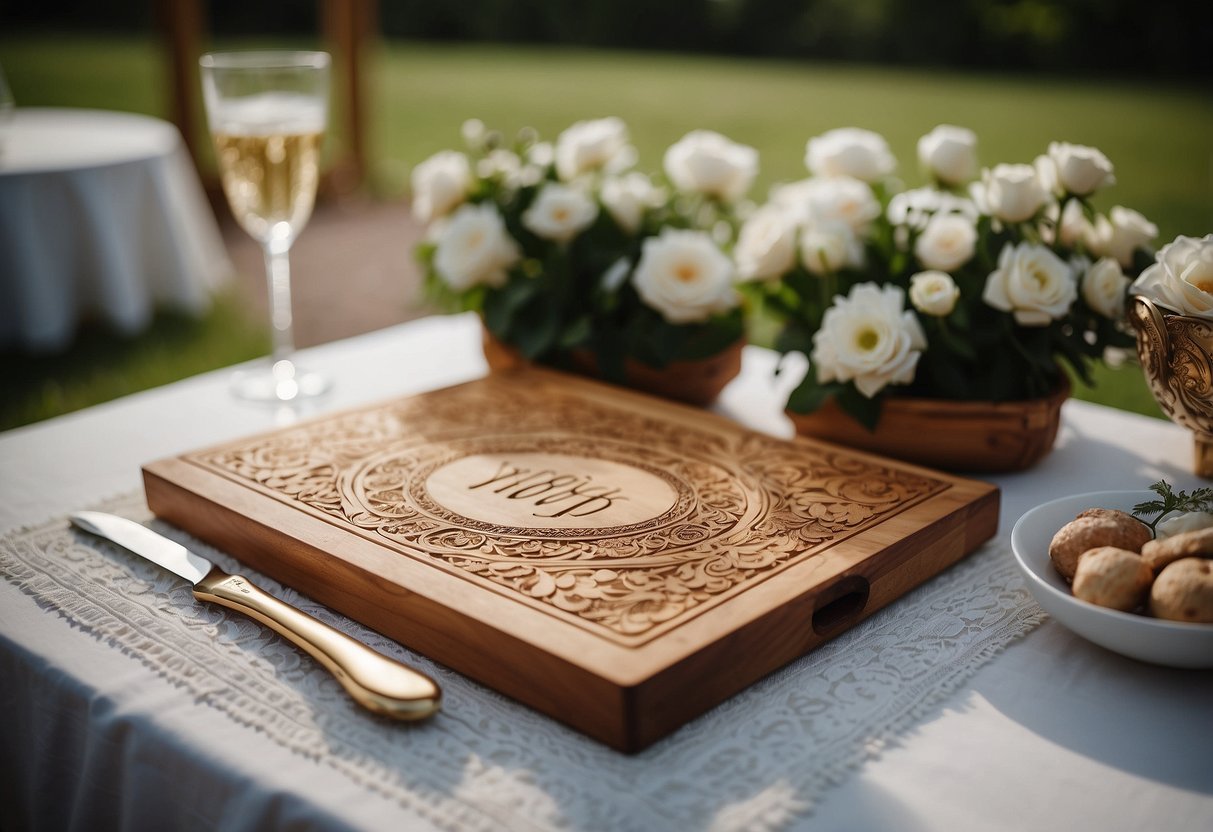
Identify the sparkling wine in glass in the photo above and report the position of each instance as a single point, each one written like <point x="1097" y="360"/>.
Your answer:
<point x="267" y="113"/>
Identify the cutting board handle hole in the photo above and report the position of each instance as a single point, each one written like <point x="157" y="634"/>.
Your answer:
<point x="840" y="605"/>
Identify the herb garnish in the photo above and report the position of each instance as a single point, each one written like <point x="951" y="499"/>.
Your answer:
<point x="1199" y="500"/>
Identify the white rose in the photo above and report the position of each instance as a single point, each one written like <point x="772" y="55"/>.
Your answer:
<point x="1103" y="288"/>
<point x="836" y="199"/>
<point x="850" y="151"/>
<point x="500" y="164"/>
<point x="475" y="249"/>
<point x="684" y="276"/>
<point x="1181" y="277"/>
<point x="949" y="154"/>
<point x="826" y="247"/>
<point x="440" y="183"/>
<point x="588" y="146"/>
<point x="934" y="293"/>
<point x="1121" y="233"/>
<point x="766" y="246"/>
<point x="1012" y="193"/>
<point x="708" y="163"/>
<point x="1189" y="521"/>
<point x="947" y="243"/>
<point x="914" y="208"/>
<point x="541" y="154"/>
<point x="1031" y="282"/>
<point x="560" y="212"/>
<point x="869" y="338"/>
<point x="1074" y="169"/>
<point x="627" y="198"/>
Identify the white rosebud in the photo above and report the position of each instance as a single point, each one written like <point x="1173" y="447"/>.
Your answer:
<point x="949" y="154"/>
<point x="1074" y="169"/>
<point x="1181" y="277"/>
<point x="1074" y="227"/>
<point x="560" y="212"/>
<point x="766" y="246"/>
<point x="588" y="146"/>
<point x="1120" y="234"/>
<point x="870" y="338"/>
<point x="934" y="293"/>
<point x="1031" y="282"/>
<point x="475" y="249"/>
<point x="440" y="183"/>
<point x="473" y="131"/>
<point x="1103" y="288"/>
<point x="684" y="276"/>
<point x="826" y="247"/>
<point x="708" y="163"/>
<point x="627" y="198"/>
<point x="947" y="243"/>
<point x="850" y="151"/>
<point x="1012" y="193"/>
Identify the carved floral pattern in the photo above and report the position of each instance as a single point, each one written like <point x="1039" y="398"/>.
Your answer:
<point x="746" y="506"/>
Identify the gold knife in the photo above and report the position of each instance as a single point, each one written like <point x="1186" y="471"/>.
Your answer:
<point x="378" y="683"/>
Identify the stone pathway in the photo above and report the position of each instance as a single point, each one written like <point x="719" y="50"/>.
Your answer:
<point x="352" y="270"/>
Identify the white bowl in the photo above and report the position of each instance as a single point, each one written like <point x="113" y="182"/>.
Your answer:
<point x="1173" y="643"/>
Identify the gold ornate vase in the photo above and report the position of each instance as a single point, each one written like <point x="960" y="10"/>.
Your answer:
<point x="1176" y="354"/>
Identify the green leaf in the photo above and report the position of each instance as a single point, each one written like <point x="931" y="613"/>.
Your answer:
<point x="1199" y="500"/>
<point x="864" y="410"/>
<point x="809" y="395"/>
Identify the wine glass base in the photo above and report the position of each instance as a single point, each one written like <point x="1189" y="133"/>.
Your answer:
<point x="281" y="382"/>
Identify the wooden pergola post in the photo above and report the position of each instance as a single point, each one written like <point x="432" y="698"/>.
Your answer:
<point x="348" y="28"/>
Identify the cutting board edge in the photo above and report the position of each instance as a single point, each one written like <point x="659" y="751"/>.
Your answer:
<point x="600" y="710"/>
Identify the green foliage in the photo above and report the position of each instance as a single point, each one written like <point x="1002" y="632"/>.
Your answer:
<point x="102" y="365"/>
<point x="1168" y="501"/>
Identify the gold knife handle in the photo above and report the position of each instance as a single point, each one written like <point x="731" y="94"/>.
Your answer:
<point x="379" y="684"/>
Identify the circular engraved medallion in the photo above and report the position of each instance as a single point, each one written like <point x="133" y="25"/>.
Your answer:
<point x="551" y="491"/>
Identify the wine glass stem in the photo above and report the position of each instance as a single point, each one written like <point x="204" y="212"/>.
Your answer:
<point x="278" y="277"/>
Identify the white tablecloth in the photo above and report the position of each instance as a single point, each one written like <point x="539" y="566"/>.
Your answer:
<point x="101" y="216"/>
<point x="1053" y="734"/>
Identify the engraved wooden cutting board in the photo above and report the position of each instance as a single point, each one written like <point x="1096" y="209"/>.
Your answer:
<point x="619" y="562"/>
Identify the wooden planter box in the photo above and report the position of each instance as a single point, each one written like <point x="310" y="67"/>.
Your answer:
<point x="619" y="562"/>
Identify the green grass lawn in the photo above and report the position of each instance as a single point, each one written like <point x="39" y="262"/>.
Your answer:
<point x="1160" y="139"/>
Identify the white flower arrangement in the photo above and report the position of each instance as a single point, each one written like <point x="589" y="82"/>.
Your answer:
<point x="566" y="246"/>
<point x="1010" y="271"/>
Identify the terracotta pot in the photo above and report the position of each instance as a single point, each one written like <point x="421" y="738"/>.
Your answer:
<point x="693" y="382"/>
<point x="988" y="437"/>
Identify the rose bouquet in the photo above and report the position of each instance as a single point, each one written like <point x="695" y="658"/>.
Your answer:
<point x="567" y="252"/>
<point x="961" y="290"/>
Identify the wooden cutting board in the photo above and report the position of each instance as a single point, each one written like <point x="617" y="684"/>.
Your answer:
<point x="617" y="561"/>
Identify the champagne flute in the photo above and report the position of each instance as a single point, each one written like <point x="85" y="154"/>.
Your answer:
<point x="267" y="113"/>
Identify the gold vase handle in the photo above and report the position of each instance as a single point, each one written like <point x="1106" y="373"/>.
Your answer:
<point x="1153" y="342"/>
<point x="376" y="682"/>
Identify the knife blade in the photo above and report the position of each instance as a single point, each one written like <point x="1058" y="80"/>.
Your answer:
<point x="376" y="682"/>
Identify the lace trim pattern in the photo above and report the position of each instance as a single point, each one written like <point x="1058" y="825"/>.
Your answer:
<point x="755" y="762"/>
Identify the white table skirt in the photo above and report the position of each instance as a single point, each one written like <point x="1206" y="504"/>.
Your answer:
<point x="101" y="216"/>
<point x="1052" y="734"/>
